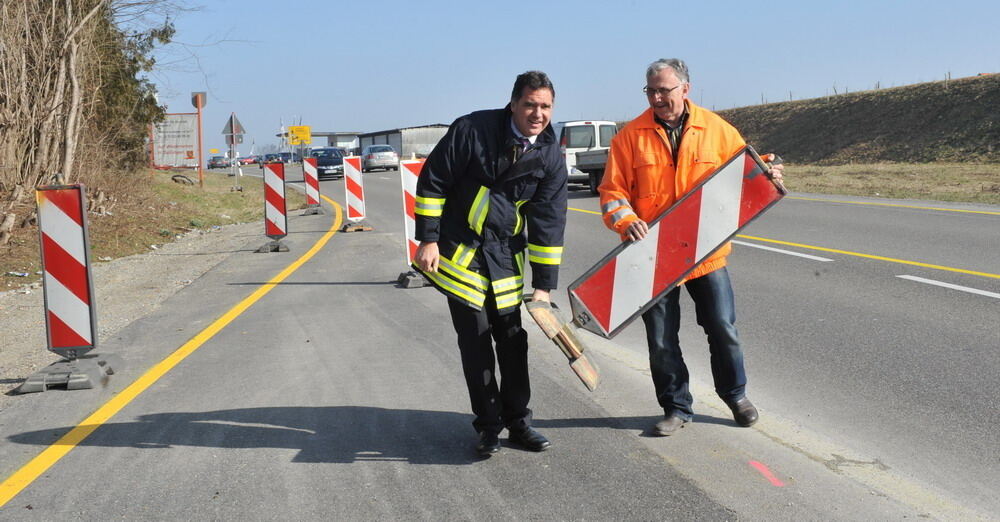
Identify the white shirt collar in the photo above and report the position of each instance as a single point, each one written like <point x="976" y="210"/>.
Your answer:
<point x="517" y="133"/>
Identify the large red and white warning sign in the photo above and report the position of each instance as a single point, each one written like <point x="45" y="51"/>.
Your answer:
<point x="409" y="171"/>
<point x="70" y="317"/>
<point x="355" y="189"/>
<point x="175" y="141"/>
<point x="275" y="216"/>
<point x="627" y="281"/>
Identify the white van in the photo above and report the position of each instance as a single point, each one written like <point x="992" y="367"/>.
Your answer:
<point x="579" y="136"/>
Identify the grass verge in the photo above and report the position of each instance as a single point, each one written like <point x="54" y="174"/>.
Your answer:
<point x="957" y="182"/>
<point x="143" y="210"/>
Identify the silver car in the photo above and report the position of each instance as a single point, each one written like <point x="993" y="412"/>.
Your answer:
<point x="378" y="157"/>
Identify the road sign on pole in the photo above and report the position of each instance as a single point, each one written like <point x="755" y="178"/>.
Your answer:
<point x="299" y="135"/>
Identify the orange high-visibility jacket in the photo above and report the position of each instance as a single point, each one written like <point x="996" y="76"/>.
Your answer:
<point x="641" y="180"/>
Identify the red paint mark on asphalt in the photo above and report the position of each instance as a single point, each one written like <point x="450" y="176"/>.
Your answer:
<point x="763" y="469"/>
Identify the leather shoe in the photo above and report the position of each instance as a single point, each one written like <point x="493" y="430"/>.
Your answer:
<point x="528" y="439"/>
<point x="744" y="412"/>
<point x="669" y="425"/>
<point x="489" y="443"/>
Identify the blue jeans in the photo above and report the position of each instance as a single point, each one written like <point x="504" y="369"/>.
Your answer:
<point x="716" y="311"/>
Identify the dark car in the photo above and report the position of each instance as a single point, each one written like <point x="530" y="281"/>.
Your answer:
<point x="218" y="162"/>
<point x="271" y="158"/>
<point x="329" y="162"/>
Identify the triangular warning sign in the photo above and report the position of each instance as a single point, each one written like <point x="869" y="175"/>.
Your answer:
<point x="233" y="126"/>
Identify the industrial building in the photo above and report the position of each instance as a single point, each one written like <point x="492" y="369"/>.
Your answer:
<point x="408" y="141"/>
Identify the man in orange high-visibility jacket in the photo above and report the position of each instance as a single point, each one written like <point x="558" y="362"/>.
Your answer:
<point x="654" y="161"/>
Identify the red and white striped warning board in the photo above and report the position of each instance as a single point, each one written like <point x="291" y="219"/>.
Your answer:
<point x="634" y="275"/>
<point x="355" y="188"/>
<point x="409" y="171"/>
<point x="312" y="181"/>
<point x="275" y="216"/>
<point x="70" y="317"/>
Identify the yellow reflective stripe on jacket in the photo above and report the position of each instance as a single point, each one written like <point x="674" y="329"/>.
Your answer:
<point x="458" y="289"/>
<point x="508" y="300"/>
<point x="430" y="207"/>
<point x="480" y="207"/>
<point x="545" y="255"/>
<point x="504" y="285"/>
<point x="519" y="259"/>
<point x="462" y="274"/>
<point x="520" y="220"/>
<point x="463" y="255"/>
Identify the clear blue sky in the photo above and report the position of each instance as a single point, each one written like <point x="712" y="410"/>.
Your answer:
<point x="367" y="66"/>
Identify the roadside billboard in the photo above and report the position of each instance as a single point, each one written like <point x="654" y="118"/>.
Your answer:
<point x="175" y="141"/>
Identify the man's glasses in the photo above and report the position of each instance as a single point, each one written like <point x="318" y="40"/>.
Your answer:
<point x="662" y="91"/>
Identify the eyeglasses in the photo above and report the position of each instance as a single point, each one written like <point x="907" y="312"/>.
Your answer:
<point x="662" y="91"/>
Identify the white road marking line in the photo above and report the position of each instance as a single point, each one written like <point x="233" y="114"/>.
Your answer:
<point x="951" y="286"/>
<point x="780" y="251"/>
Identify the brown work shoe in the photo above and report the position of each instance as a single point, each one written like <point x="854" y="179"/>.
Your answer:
<point x="744" y="412"/>
<point x="669" y="425"/>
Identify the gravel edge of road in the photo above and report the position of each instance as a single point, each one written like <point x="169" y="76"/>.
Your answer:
<point x="127" y="289"/>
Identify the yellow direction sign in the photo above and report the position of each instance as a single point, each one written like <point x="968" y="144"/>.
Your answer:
<point x="299" y="135"/>
<point x="213" y="151"/>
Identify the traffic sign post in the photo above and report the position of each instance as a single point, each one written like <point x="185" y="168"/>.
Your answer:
<point x="198" y="99"/>
<point x="233" y="131"/>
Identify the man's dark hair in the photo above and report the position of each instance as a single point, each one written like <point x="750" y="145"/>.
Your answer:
<point x="533" y="80"/>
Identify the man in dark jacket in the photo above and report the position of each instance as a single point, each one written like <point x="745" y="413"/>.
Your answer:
<point x="493" y="186"/>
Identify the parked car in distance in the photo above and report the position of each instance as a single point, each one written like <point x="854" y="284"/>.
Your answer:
<point x="218" y="162"/>
<point x="329" y="162"/>
<point x="248" y="160"/>
<point x="272" y="158"/>
<point x="290" y="157"/>
<point x="378" y="157"/>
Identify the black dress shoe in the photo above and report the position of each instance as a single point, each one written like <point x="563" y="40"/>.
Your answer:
<point x="528" y="439"/>
<point x="489" y="443"/>
<point x="669" y="425"/>
<point x="744" y="412"/>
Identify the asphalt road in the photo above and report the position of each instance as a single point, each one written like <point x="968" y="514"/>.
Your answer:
<point x="338" y="395"/>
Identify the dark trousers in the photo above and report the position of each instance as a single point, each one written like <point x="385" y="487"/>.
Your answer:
<point x="716" y="311"/>
<point x="495" y="406"/>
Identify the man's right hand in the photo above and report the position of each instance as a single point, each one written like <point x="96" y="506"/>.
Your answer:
<point x="427" y="256"/>
<point x="637" y="230"/>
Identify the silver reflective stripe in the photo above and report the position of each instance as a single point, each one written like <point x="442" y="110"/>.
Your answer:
<point x="611" y="205"/>
<point x="623" y="213"/>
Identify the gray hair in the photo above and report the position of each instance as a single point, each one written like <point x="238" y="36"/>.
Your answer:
<point x="680" y="68"/>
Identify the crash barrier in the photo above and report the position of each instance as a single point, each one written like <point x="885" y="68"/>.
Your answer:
<point x="70" y="314"/>
<point x="624" y="284"/>
<point x="275" y="214"/>
<point x="311" y="177"/>
<point x="354" y="188"/>
<point x="409" y="171"/>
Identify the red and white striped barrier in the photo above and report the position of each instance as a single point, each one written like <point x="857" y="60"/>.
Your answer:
<point x="628" y="280"/>
<point x="312" y="181"/>
<point x="409" y="171"/>
<point x="70" y="317"/>
<point x="355" y="189"/>
<point x="275" y="216"/>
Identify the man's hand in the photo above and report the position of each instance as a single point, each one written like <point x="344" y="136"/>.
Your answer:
<point x="540" y="295"/>
<point x="637" y="230"/>
<point x="427" y="256"/>
<point x="777" y="172"/>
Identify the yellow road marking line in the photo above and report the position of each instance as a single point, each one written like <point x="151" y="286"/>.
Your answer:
<point x="855" y="254"/>
<point x="870" y="256"/>
<point x="23" y="477"/>
<point x="942" y="209"/>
